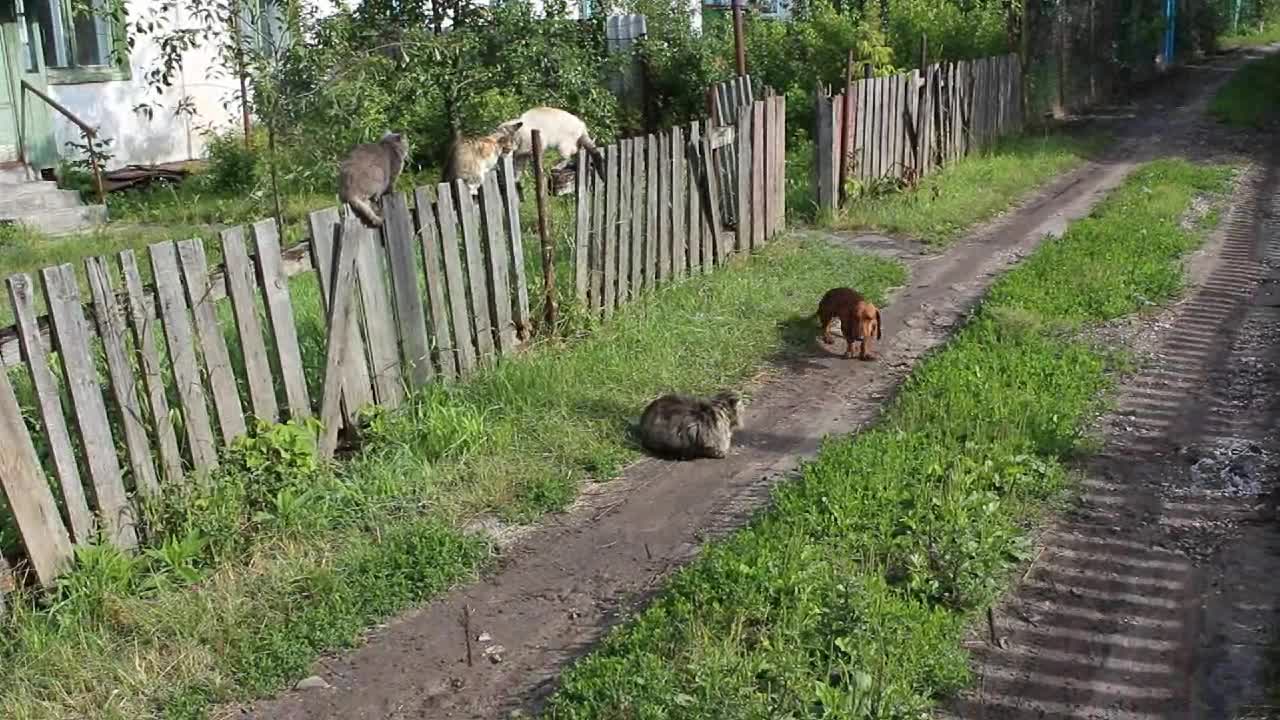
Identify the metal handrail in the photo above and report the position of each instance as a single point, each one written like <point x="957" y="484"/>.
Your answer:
<point x="88" y="131"/>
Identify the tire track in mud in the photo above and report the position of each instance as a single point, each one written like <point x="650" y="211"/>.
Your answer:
<point x="562" y="584"/>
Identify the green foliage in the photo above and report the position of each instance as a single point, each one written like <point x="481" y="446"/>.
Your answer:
<point x="233" y="168"/>
<point x="851" y="595"/>
<point x="1251" y="98"/>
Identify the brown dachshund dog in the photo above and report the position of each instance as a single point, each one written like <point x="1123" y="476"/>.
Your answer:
<point x="859" y="320"/>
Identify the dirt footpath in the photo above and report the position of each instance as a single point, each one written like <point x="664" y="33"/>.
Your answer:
<point x="561" y="585"/>
<point x="1157" y="596"/>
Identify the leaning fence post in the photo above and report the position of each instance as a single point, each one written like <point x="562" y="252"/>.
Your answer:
<point x="825" y="147"/>
<point x="550" y="307"/>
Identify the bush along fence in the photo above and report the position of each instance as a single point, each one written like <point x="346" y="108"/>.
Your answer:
<point x="903" y="127"/>
<point x="141" y="368"/>
<point x="133" y="387"/>
<point x="656" y="213"/>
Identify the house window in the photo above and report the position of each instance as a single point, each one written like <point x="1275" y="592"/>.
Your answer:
<point x="74" y="33"/>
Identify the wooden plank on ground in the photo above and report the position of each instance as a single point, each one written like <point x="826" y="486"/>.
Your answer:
<point x="49" y="404"/>
<point x="180" y="340"/>
<point x="743" y="230"/>
<point x="624" y="221"/>
<point x="463" y="337"/>
<point x="582" y="234"/>
<point x="222" y="380"/>
<point x="499" y="263"/>
<point x="124" y="386"/>
<point x="341" y="312"/>
<point x="693" y="183"/>
<point x="637" y="215"/>
<point x="357" y="389"/>
<point x="115" y="512"/>
<point x="275" y="295"/>
<point x="433" y="273"/>
<point x="663" y="237"/>
<point x="679" y="247"/>
<point x="27" y="492"/>
<point x="651" y="231"/>
<point x="511" y="201"/>
<point x="144" y="338"/>
<point x="244" y="304"/>
<point x="609" y="230"/>
<point x="402" y="261"/>
<point x="377" y="316"/>
<point x="758" y="154"/>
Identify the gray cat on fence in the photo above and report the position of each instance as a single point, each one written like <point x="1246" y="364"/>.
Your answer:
<point x="686" y="427"/>
<point x="370" y="171"/>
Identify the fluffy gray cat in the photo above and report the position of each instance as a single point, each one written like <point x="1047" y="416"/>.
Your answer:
<point x="370" y="171"/>
<point x="685" y="427"/>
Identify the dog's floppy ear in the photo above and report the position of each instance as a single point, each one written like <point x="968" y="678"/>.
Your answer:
<point x="878" y="323"/>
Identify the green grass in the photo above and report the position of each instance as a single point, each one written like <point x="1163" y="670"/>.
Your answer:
<point x="276" y="559"/>
<point x="1251" y="98"/>
<point x="974" y="189"/>
<point x="1266" y="34"/>
<point x="851" y="595"/>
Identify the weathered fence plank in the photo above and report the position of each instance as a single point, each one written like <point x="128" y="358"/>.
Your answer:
<point x="49" y="403"/>
<point x="115" y="513"/>
<point x="217" y="361"/>
<point x="638" y="181"/>
<point x="464" y="347"/>
<point x="694" y="197"/>
<point x="433" y="271"/>
<point x="244" y="305"/>
<point x="511" y="201"/>
<point x="275" y="294"/>
<point x="498" y="255"/>
<point x="402" y="261"/>
<point x="180" y="340"/>
<point x="377" y="316"/>
<point x="124" y="386"/>
<point x="30" y="500"/>
<point x="716" y="241"/>
<point x="653" y="234"/>
<point x="679" y="241"/>
<point x="624" y="222"/>
<point x="758" y="156"/>
<point x="357" y="387"/>
<point x="663" y="237"/>
<point x="341" y="314"/>
<point x="742" y="230"/>
<point x="609" y="231"/>
<point x="144" y="337"/>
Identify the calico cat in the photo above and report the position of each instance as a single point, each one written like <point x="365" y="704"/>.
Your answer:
<point x="686" y="427"/>
<point x="471" y="158"/>
<point x="370" y="171"/>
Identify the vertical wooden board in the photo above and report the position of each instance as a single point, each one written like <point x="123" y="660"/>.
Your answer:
<point x="581" y="237"/>
<point x="341" y="313"/>
<point x="477" y="282"/>
<point x="402" y="261"/>
<point x="596" y="243"/>
<point x="124" y="386"/>
<point x="663" y="236"/>
<point x="377" y="316"/>
<point x="463" y="342"/>
<point x="679" y="209"/>
<point x="715" y="240"/>
<point x="433" y="273"/>
<point x="781" y="101"/>
<point x="637" y="214"/>
<point x="27" y="492"/>
<point x="244" y="305"/>
<point x="275" y="294"/>
<point x="515" y="245"/>
<point x="693" y="192"/>
<point x="742" y="233"/>
<point x="770" y="166"/>
<point x="217" y="361"/>
<point x="624" y="222"/>
<point x="609" y="231"/>
<point x="499" y="270"/>
<point x="357" y="390"/>
<point x="180" y="340"/>
<point x="115" y="513"/>
<point x="7" y="583"/>
<point x="836" y="103"/>
<point x="867" y="130"/>
<point x="651" y="230"/>
<point x="758" y="154"/>
<point x="49" y="403"/>
<point x="144" y="335"/>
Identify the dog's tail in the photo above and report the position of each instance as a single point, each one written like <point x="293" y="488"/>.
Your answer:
<point x="878" y="324"/>
<point x="586" y="143"/>
<point x="365" y="212"/>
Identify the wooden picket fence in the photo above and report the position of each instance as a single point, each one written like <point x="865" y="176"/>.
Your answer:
<point x="905" y="126"/>
<point x="124" y="357"/>
<point x="725" y="102"/>
<point x="655" y="215"/>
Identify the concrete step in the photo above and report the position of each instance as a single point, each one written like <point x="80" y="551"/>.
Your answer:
<point x="62" y="221"/>
<point x="27" y="201"/>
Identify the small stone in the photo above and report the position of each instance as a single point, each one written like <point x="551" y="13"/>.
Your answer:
<point x="484" y="637"/>
<point x="315" y="682"/>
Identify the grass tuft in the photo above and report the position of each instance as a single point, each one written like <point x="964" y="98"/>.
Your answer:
<point x="850" y="597"/>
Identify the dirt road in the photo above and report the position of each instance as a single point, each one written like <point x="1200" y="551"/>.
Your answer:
<point x="562" y="585"/>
